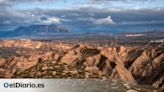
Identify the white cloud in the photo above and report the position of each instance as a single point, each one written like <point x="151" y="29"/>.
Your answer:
<point x="55" y="20"/>
<point x="52" y="20"/>
<point x="107" y="20"/>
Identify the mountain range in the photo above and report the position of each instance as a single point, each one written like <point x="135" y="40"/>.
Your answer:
<point x="34" y="30"/>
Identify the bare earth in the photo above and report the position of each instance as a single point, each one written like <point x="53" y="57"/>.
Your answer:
<point x="134" y="64"/>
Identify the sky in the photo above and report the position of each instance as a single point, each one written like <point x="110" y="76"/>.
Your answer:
<point x="71" y="4"/>
<point x="92" y="15"/>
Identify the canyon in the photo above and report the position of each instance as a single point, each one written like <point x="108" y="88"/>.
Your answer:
<point x="138" y="65"/>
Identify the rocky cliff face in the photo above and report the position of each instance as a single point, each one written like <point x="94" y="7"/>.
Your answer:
<point x="35" y="59"/>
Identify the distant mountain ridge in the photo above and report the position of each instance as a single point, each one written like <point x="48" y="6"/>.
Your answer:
<point x="34" y="30"/>
<point x="43" y="28"/>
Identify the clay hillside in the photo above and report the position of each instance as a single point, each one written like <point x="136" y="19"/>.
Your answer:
<point x="48" y="59"/>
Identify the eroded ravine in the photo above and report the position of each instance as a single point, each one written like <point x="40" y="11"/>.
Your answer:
<point x="35" y="59"/>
